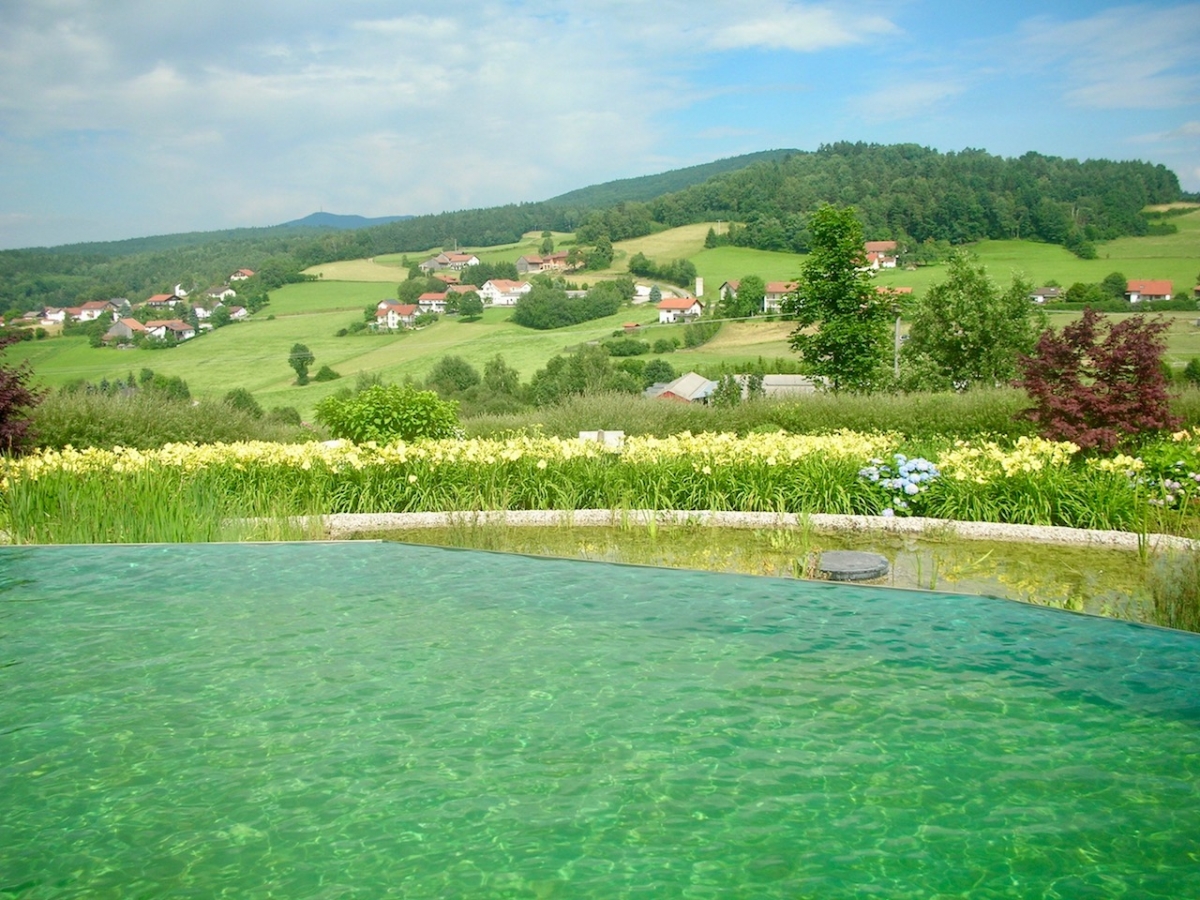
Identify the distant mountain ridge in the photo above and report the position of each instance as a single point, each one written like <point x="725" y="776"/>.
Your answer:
<point x="339" y="222"/>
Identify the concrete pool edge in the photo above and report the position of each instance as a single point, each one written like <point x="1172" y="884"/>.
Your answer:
<point x="343" y="525"/>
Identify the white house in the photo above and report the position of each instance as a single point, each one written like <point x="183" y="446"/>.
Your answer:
<point x="174" y="328"/>
<point x="94" y="309"/>
<point x="1140" y="290"/>
<point x="774" y="294"/>
<point x="676" y="309"/>
<point x="1045" y="294"/>
<point x="391" y="314"/>
<point x="242" y="275"/>
<point x="432" y="302"/>
<point x="503" y="292"/>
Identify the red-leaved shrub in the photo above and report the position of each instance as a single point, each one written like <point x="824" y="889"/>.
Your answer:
<point x="1097" y="383"/>
<point x="16" y="401"/>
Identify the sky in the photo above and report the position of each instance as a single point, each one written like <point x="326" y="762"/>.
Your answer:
<point x="127" y="118"/>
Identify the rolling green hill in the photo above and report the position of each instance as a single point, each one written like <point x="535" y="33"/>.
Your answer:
<point x="253" y="354"/>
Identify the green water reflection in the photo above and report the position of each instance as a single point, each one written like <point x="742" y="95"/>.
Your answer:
<point x="365" y="719"/>
<point x="1083" y="579"/>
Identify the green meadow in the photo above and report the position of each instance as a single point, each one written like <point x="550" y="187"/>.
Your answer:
<point x="253" y="354"/>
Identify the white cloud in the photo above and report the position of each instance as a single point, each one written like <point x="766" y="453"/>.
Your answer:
<point x="907" y="99"/>
<point x="1132" y="57"/>
<point x="800" y="28"/>
<point x="1187" y="129"/>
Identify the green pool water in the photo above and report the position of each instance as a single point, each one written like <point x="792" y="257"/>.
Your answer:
<point x="373" y="720"/>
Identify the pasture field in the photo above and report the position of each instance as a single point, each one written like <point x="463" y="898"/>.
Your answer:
<point x="377" y="269"/>
<point x="328" y="296"/>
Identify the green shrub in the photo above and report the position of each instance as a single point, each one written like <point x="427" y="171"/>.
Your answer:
<point x="626" y="346"/>
<point x="241" y="399"/>
<point x="325" y="373"/>
<point x="451" y="374"/>
<point x="666" y="345"/>
<point x="387" y="413"/>
<point x="285" y="415"/>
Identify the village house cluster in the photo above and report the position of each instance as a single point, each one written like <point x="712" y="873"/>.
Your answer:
<point x="172" y="317"/>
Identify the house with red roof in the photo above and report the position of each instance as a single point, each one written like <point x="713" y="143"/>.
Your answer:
<point x="880" y="254"/>
<point x="94" y="309"/>
<point x="393" y="315"/>
<point x="1139" y="290"/>
<point x="163" y="301"/>
<point x="242" y="275"/>
<point x="503" y="291"/>
<point x="774" y="294"/>
<point x="679" y="309"/>
<point x="551" y="262"/>
<point x="432" y="302"/>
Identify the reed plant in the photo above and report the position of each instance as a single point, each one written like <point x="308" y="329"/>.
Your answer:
<point x="1175" y="590"/>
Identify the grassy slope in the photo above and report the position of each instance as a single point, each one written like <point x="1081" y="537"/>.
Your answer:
<point x="253" y="354"/>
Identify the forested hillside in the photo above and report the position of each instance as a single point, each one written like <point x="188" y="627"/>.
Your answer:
<point x="904" y="191"/>
<point x="648" y="187"/>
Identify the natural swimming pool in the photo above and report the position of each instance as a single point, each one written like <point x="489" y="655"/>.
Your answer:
<point x="365" y="719"/>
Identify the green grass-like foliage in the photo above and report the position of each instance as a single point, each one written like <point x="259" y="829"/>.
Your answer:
<point x="991" y="411"/>
<point x="148" y="419"/>
<point x="389" y="412"/>
<point x="190" y="492"/>
<point x="1175" y="589"/>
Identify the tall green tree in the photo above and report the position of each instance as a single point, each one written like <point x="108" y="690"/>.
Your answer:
<point x="470" y="307"/>
<point x="966" y="331"/>
<point x="843" y="322"/>
<point x="1114" y="284"/>
<point x="748" y="300"/>
<point x="300" y="359"/>
<point x="601" y="255"/>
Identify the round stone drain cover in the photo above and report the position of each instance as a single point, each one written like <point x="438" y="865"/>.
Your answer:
<point x="852" y="565"/>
